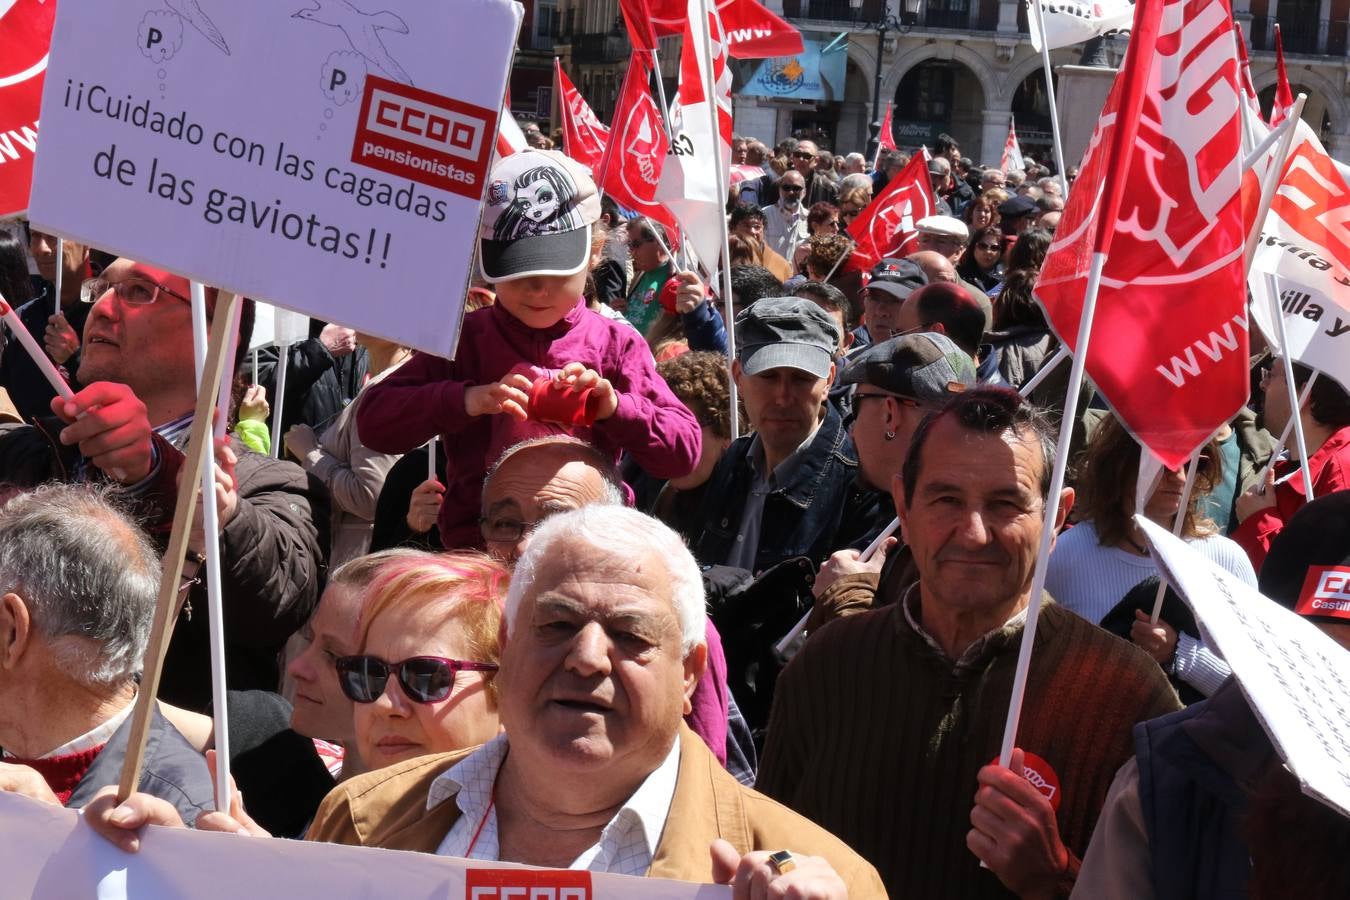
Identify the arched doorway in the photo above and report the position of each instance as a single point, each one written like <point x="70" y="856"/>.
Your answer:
<point x="1316" y="111"/>
<point x="938" y="96"/>
<point x="1031" y="111"/>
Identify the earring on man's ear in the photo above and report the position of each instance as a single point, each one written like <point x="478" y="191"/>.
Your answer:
<point x="890" y="435"/>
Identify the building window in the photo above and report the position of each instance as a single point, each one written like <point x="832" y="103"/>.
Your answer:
<point x="925" y="94"/>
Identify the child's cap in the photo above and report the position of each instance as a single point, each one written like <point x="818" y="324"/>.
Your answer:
<point x="537" y="217"/>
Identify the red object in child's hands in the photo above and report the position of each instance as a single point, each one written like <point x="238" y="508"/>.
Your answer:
<point x="551" y="401"/>
<point x="668" y="294"/>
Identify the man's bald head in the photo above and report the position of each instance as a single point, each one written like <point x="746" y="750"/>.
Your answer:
<point x="936" y="266"/>
<point x="537" y="478"/>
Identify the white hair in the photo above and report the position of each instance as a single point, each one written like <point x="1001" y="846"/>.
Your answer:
<point x="630" y="535"/>
<point x="855" y="157"/>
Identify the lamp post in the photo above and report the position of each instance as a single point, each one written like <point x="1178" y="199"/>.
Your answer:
<point x="887" y="22"/>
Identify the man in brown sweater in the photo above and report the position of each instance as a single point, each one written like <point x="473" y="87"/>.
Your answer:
<point x="887" y="726"/>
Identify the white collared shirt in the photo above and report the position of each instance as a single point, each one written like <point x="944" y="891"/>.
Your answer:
<point x="626" y="846"/>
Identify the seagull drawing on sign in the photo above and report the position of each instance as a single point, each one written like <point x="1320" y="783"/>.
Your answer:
<point x="362" y="31"/>
<point x="190" y="11"/>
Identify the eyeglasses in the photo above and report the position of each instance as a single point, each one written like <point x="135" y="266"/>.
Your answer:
<point x="791" y="188"/>
<point x="797" y="154"/>
<point x="992" y="248"/>
<point x="425" y="679"/>
<point x="642" y="237"/>
<point x="832" y="224"/>
<point x="505" y="531"/>
<point x="135" y="291"/>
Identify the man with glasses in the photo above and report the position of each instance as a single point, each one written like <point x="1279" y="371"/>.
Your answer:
<point x="652" y="268"/>
<point x="128" y="427"/>
<point x="785" y="225"/>
<point x="892" y="281"/>
<point x="819" y="186"/>
<point x="896" y="383"/>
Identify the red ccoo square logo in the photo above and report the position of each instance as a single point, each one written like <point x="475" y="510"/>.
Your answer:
<point x="436" y="141"/>
<point x="526" y="884"/>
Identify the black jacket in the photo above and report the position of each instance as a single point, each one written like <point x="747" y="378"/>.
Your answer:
<point x="272" y="550"/>
<point x="19" y="375"/>
<point x="318" y="384"/>
<point x="823" y="508"/>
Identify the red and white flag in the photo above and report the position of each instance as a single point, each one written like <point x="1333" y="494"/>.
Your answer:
<point x="584" y="136"/>
<point x="752" y="32"/>
<point x="637" y="147"/>
<point x="25" y="33"/>
<point x="1012" y="152"/>
<point x="637" y="15"/>
<point x="1305" y="245"/>
<point x="510" y="139"/>
<point x="689" y="186"/>
<point x="886" y="226"/>
<point x="1284" y="94"/>
<point x="1172" y="305"/>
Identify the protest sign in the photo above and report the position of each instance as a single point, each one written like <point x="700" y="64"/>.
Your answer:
<point x="49" y="852"/>
<point x="25" y="30"/>
<point x="1296" y="679"/>
<point x="329" y="157"/>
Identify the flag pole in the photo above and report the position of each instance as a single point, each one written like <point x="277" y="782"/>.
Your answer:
<point x="1192" y="468"/>
<point x="166" y="607"/>
<point x="729" y="311"/>
<point x="1044" y="372"/>
<point x="60" y="273"/>
<point x="1268" y="188"/>
<point x="661" y="97"/>
<point x="1284" y="435"/>
<point x="1050" y="96"/>
<point x="840" y="261"/>
<point x="279" y="385"/>
<point x="211" y="527"/>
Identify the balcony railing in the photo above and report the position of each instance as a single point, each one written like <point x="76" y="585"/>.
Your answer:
<point x="599" y="48"/>
<point x="950" y="15"/>
<point x="1310" y="37"/>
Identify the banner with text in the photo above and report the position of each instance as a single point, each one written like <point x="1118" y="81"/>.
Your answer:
<point x="50" y="852"/>
<point x="328" y="157"/>
<point x="1296" y="679"/>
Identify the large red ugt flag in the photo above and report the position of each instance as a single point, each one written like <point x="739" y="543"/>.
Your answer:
<point x="1169" y="339"/>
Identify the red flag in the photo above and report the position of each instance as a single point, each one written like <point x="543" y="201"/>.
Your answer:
<point x="1284" y="95"/>
<point x="510" y="139"/>
<point x="583" y="136"/>
<point x="1171" y="351"/>
<point x="637" y="147"/>
<point x="638" y="17"/>
<point x="1245" y="73"/>
<point x="752" y="31"/>
<point x="885" y="228"/>
<point x="886" y="137"/>
<point x="25" y="33"/>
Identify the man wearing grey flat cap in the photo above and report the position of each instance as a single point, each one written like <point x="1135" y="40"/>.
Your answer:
<point x="789" y="489"/>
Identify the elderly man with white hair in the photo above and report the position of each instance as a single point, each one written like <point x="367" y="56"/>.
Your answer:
<point x="602" y="646"/>
<point x="78" y="582"/>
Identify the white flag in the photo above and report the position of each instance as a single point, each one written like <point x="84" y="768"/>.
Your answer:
<point x="689" y="185"/>
<point x="1305" y="244"/>
<point x="1069" y="22"/>
<point x="1012" y="152"/>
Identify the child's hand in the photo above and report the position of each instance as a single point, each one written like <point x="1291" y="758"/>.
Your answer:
<point x="511" y="395"/>
<point x="254" y="404"/>
<point x="577" y="377"/>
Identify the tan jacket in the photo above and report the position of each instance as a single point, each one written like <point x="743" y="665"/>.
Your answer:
<point x="388" y="808"/>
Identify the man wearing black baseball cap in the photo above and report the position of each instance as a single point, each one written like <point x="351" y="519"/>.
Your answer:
<point x="890" y="282"/>
<point x="788" y="489"/>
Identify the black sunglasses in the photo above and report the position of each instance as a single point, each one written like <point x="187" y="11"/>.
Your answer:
<point x="425" y="679"/>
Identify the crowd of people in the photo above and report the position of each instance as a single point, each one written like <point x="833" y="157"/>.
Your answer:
<point x="565" y="647"/>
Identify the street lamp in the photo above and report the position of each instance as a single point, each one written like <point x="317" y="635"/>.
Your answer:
<point x="909" y="15"/>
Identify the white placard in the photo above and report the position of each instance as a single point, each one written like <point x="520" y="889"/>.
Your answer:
<point x="1296" y="679"/>
<point x="49" y="852"/>
<point x="325" y="156"/>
